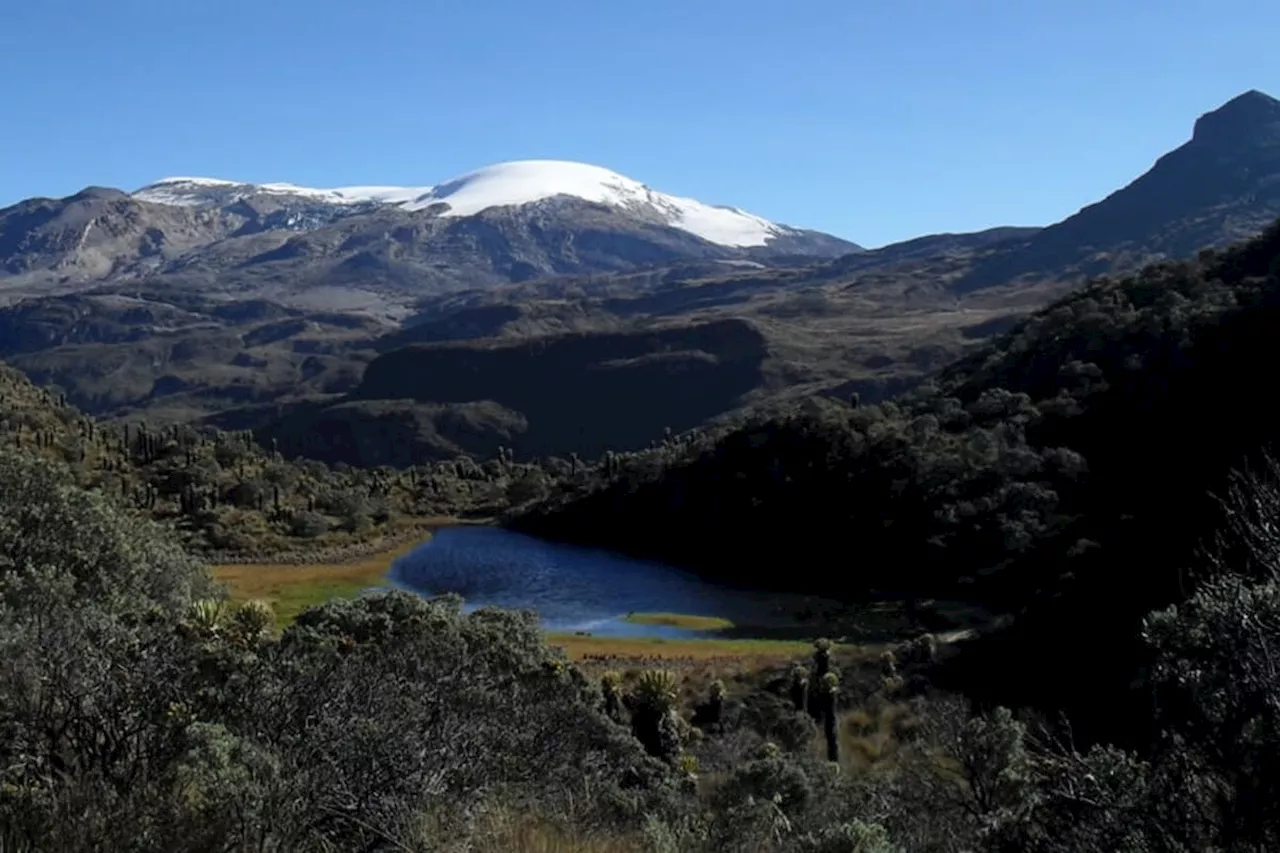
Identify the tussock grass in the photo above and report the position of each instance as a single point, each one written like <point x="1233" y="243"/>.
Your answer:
<point x="686" y="621"/>
<point x="662" y="648"/>
<point x="531" y="835"/>
<point x="293" y="588"/>
<point x="871" y="737"/>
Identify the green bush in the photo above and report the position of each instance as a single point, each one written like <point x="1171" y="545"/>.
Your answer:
<point x="306" y="524"/>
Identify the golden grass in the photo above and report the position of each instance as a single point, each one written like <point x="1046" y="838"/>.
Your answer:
<point x="660" y="648"/>
<point x="871" y="737"/>
<point x="293" y="588"/>
<point x="686" y="621"/>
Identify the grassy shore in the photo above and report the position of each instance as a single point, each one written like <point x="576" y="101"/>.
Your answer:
<point x="292" y="588"/>
<point x="686" y="621"/>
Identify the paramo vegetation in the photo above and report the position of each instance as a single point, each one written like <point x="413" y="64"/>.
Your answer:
<point x="139" y="711"/>
<point x="1063" y="478"/>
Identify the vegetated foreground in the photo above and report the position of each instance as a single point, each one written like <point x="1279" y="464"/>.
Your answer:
<point x="391" y="722"/>
<point x="1029" y="480"/>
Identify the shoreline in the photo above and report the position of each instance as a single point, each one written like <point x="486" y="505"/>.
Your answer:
<point x="293" y="583"/>
<point x="292" y="587"/>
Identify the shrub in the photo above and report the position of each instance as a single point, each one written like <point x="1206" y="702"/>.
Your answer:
<point x="59" y="542"/>
<point x="308" y="525"/>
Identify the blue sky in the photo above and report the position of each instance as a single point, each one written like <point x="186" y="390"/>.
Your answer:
<point x="873" y="120"/>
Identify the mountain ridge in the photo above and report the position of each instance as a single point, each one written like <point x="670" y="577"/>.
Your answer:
<point x="509" y="184"/>
<point x="1219" y="187"/>
<point x="317" y="251"/>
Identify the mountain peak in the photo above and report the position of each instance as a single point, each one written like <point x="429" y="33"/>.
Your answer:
<point x="95" y="192"/>
<point x="1244" y="115"/>
<point x="521" y="182"/>
<point x="511" y="184"/>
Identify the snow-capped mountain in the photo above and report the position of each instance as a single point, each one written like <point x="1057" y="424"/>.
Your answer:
<point x="378" y="246"/>
<point x="513" y="184"/>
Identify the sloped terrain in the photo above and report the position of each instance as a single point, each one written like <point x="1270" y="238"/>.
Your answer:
<point x="586" y="394"/>
<point x="1222" y="186"/>
<point x="1060" y="474"/>
<point x="114" y="354"/>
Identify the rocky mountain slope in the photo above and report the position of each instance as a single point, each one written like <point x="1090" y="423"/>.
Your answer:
<point x="250" y="300"/>
<point x="181" y="358"/>
<point x="1221" y="186"/>
<point x="375" y="249"/>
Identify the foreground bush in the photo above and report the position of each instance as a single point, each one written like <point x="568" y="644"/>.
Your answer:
<point x="140" y="712"/>
<point x="135" y="716"/>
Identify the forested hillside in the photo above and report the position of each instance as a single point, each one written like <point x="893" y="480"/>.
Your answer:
<point x="229" y="498"/>
<point x="1063" y="473"/>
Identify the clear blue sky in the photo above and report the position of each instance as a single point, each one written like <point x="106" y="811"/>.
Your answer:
<point x="876" y="120"/>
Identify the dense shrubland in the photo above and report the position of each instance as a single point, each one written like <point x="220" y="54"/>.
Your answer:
<point x="139" y="711"/>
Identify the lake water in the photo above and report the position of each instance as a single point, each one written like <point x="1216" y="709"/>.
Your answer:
<point x="571" y="588"/>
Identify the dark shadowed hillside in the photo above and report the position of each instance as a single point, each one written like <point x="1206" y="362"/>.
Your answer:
<point x="586" y="393"/>
<point x="1061" y="474"/>
<point x="181" y="356"/>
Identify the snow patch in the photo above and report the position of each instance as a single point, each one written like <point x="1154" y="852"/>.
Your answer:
<point x="503" y="185"/>
<point x="203" y="192"/>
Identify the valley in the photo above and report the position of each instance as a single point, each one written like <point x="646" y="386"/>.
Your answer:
<point x="212" y="326"/>
<point x="541" y="510"/>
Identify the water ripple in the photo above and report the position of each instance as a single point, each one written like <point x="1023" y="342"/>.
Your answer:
<point x="571" y="588"/>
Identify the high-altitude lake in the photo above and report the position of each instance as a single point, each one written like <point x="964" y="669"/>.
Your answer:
<point x="571" y="588"/>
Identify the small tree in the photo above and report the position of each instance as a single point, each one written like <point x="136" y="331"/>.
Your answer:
<point x="821" y="666"/>
<point x="1218" y="699"/>
<point x="799" y="686"/>
<point x="653" y="715"/>
<point x="710" y="714"/>
<point x="611" y="692"/>
<point x="830" y="690"/>
<point x="308" y="525"/>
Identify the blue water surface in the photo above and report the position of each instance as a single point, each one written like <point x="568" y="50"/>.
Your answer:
<point x="571" y="588"/>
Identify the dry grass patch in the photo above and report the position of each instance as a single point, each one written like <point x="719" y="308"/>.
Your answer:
<point x="536" y="836"/>
<point x="617" y="650"/>
<point x="871" y="737"/>
<point x="290" y="589"/>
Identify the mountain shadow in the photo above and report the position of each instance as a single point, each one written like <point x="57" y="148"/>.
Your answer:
<point x="582" y="393"/>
